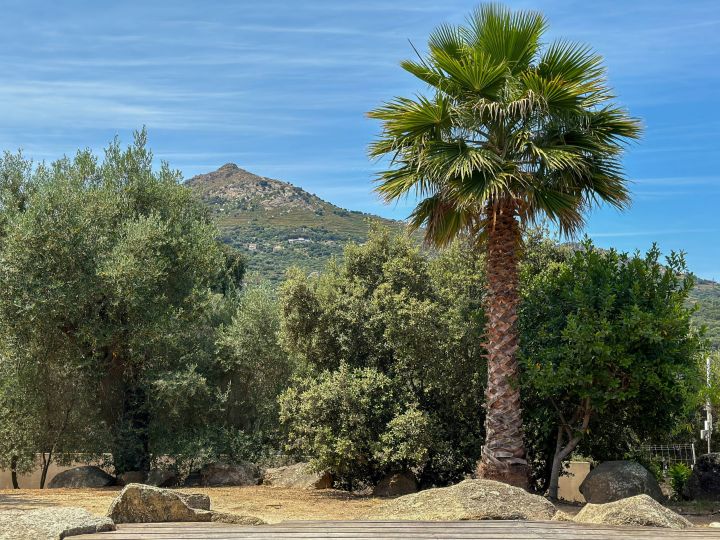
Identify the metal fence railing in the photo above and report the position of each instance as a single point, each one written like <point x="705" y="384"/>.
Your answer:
<point x="670" y="454"/>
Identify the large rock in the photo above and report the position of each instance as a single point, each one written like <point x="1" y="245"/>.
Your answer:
<point x="614" y="480"/>
<point x="704" y="482"/>
<point x="161" y="478"/>
<point x="140" y="503"/>
<point x="640" y="510"/>
<point x="299" y="476"/>
<point x="224" y="474"/>
<point x="396" y="484"/>
<point x="468" y="500"/>
<point x="86" y="476"/>
<point x="52" y="523"/>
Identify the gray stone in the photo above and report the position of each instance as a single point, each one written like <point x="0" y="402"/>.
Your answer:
<point x="396" y="484"/>
<point x="299" y="475"/>
<point x="468" y="500"/>
<point x="131" y="477"/>
<point x="235" y="519"/>
<point x="199" y="501"/>
<point x="704" y="482"/>
<point x="161" y="478"/>
<point x="225" y="474"/>
<point x="50" y="523"/>
<point x="614" y="480"/>
<point x="87" y="476"/>
<point x="140" y="503"/>
<point x="640" y="510"/>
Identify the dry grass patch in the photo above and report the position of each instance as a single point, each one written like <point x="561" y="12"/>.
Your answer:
<point x="269" y="504"/>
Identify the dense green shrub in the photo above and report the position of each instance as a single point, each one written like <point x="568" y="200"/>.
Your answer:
<point x="416" y="321"/>
<point x="350" y="422"/>
<point x="678" y="474"/>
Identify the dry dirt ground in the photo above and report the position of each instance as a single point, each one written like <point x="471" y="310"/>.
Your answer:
<point x="268" y="503"/>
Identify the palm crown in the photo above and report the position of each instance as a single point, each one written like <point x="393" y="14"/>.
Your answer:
<point x="509" y="124"/>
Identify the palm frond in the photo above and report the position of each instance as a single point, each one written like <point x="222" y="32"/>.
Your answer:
<point x="443" y="219"/>
<point x="457" y="160"/>
<point x="508" y="126"/>
<point x="449" y="39"/>
<point x="474" y="73"/>
<point x="422" y="71"/>
<point x="571" y="62"/>
<point x="506" y="36"/>
<point x="407" y="121"/>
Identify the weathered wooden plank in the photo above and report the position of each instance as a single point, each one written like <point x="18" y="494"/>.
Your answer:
<point x="409" y="524"/>
<point x="478" y="533"/>
<point x="417" y="533"/>
<point x="481" y="530"/>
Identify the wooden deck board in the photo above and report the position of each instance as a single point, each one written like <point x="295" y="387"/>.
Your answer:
<point x="481" y="530"/>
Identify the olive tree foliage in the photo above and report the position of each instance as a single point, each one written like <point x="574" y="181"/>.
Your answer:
<point x="387" y="343"/>
<point x="111" y="291"/>
<point x="609" y="346"/>
<point x="255" y="366"/>
<point x="46" y="414"/>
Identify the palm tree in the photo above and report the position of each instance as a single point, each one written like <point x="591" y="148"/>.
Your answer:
<point x="511" y="132"/>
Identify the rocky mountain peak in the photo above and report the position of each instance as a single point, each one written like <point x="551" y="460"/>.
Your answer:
<point x="242" y="190"/>
<point x="229" y="167"/>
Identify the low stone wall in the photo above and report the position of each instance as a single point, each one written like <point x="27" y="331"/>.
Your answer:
<point x="569" y="484"/>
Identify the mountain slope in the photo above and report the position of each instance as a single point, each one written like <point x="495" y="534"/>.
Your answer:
<point x="276" y="224"/>
<point x="707" y="295"/>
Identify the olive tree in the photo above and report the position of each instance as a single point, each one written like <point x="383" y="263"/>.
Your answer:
<point x="109" y="274"/>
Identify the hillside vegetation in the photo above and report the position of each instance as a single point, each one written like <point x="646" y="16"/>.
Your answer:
<point x="707" y="295"/>
<point x="278" y="225"/>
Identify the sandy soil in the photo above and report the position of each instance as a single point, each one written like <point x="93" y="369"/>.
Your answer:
<point x="268" y="503"/>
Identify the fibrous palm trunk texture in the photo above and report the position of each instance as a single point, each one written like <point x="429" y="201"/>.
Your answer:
<point x="503" y="455"/>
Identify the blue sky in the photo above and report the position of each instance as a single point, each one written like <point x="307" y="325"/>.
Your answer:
<point x="281" y="89"/>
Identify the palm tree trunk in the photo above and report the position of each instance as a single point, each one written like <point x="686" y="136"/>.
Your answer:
<point x="503" y="455"/>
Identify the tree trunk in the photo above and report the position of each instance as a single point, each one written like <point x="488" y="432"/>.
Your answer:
<point x="503" y="455"/>
<point x="45" y="466"/>
<point x="131" y="451"/>
<point x="558" y="459"/>
<point x="13" y="472"/>
<point x="574" y="436"/>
